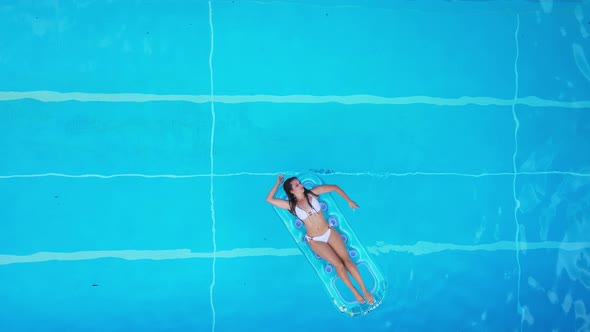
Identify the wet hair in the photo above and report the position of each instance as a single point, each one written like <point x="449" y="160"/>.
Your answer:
<point x="292" y="199"/>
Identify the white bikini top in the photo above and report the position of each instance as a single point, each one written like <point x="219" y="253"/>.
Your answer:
<point x="315" y="206"/>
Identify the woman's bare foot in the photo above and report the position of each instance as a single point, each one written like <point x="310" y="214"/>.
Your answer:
<point x="370" y="298"/>
<point x="358" y="297"/>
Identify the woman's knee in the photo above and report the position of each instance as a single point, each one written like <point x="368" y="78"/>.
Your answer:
<point x="348" y="262"/>
<point x="339" y="265"/>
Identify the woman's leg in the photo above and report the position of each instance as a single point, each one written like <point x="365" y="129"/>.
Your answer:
<point x="326" y="252"/>
<point x="336" y="243"/>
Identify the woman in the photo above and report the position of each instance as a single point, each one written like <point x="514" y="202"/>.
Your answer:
<point x="322" y="238"/>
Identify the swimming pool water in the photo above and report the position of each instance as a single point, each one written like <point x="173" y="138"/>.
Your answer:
<point x="139" y="139"/>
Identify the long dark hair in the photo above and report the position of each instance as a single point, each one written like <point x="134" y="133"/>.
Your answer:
<point x="292" y="199"/>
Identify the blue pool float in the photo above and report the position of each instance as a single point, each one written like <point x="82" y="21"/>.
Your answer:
<point x="342" y="297"/>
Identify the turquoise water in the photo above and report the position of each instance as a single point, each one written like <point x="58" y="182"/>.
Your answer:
<point x="138" y="141"/>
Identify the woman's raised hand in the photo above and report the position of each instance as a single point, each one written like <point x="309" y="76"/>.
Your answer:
<point x="280" y="178"/>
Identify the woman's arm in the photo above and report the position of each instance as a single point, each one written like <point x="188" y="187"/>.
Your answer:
<point x="326" y="188"/>
<point x="281" y="203"/>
